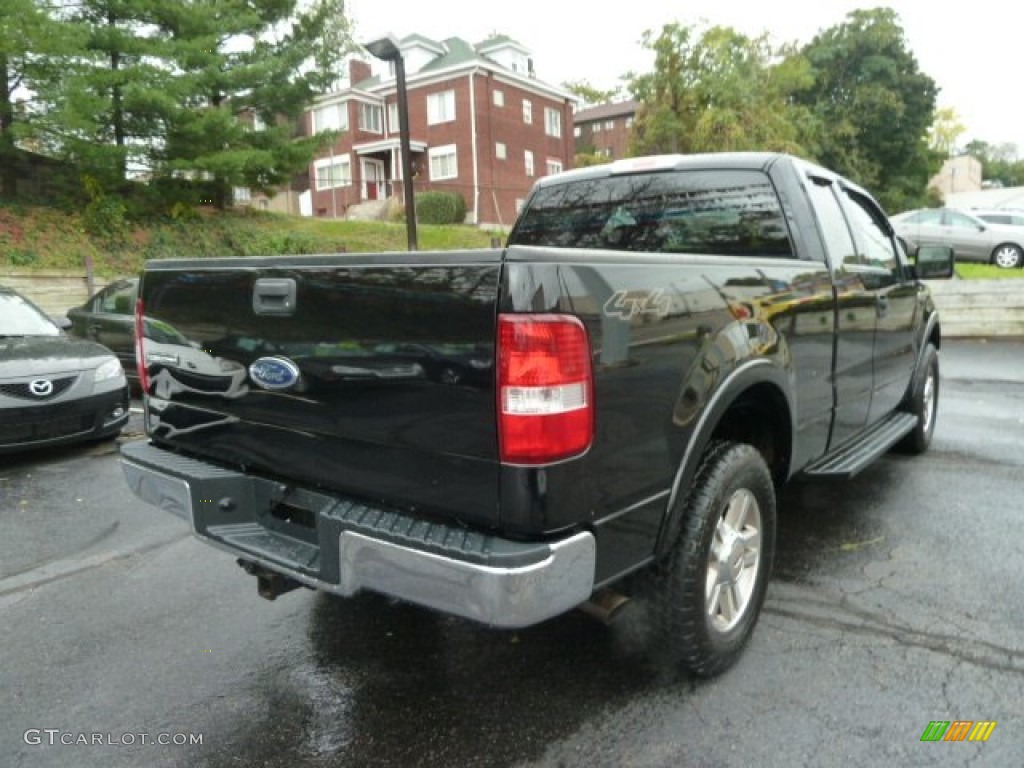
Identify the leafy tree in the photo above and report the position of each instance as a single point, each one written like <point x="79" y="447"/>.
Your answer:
<point x="589" y="95"/>
<point x="719" y="90"/>
<point x="946" y="130"/>
<point x="875" y="106"/>
<point x="1000" y="163"/>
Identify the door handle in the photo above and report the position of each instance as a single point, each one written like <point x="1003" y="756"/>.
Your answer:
<point x="882" y="303"/>
<point x="274" y="296"/>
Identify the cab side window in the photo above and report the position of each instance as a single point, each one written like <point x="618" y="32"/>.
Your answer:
<point x="875" y="247"/>
<point x="831" y="222"/>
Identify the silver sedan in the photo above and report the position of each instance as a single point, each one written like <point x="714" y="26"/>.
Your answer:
<point x="972" y="239"/>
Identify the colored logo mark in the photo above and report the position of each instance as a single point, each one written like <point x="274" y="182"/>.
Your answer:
<point x="958" y="730"/>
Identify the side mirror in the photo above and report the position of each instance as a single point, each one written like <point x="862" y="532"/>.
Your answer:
<point x="933" y="262"/>
<point x="62" y="322"/>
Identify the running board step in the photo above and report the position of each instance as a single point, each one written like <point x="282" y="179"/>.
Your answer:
<point x="855" y="456"/>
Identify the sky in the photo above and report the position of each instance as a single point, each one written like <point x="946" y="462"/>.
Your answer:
<point x="972" y="50"/>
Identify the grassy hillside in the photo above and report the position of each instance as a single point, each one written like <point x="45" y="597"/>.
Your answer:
<point x="47" y="238"/>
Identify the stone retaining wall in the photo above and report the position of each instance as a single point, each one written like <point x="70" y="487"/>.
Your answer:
<point x="967" y="307"/>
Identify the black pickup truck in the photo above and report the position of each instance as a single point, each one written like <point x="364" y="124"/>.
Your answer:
<point x="508" y="434"/>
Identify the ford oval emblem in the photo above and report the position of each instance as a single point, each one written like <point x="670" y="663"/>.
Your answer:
<point x="274" y="372"/>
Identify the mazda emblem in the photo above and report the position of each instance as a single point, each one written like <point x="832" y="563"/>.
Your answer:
<point x="41" y="387"/>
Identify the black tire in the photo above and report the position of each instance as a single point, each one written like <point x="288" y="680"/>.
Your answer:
<point x="698" y="629"/>
<point x="1008" y="256"/>
<point x="923" y="403"/>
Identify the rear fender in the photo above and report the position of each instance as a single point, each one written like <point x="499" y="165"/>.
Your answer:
<point x="748" y="374"/>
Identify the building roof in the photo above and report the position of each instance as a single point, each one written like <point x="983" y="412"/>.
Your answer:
<point x="458" y="53"/>
<point x="1005" y="197"/>
<point x="497" y="42"/>
<point x="606" y="112"/>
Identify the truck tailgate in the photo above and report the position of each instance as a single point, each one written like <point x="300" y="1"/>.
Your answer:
<point x="372" y="376"/>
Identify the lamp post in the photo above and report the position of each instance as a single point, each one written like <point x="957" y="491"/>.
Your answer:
<point x="386" y="49"/>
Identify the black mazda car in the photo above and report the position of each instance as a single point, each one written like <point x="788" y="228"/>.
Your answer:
<point x="53" y="388"/>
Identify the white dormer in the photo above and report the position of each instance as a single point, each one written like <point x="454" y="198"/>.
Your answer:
<point x="508" y="53"/>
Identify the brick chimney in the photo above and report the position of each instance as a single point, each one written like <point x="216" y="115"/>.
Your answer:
<point x="358" y="71"/>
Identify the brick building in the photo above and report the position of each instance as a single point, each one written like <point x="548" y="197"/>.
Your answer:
<point x="480" y="124"/>
<point x="605" y="129"/>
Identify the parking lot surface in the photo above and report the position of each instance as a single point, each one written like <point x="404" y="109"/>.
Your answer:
<point x="895" y="602"/>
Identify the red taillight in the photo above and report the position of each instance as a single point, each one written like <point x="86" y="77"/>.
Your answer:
<point x="140" y="351"/>
<point x="545" y="388"/>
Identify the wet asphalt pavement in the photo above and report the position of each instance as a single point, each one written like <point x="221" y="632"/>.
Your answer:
<point x="896" y="600"/>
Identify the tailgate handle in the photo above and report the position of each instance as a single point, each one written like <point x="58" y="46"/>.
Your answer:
<point x="274" y="296"/>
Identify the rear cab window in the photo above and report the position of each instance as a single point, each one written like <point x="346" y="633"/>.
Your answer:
<point x="719" y="212"/>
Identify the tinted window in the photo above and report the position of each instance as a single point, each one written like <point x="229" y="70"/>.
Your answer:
<point x="960" y="221"/>
<point x="707" y="212"/>
<point x="1003" y="218"/>
<point x="876" y="246"/>
<point x="834" y="230"/>
<point x="118" y="299"/>
<point x="929" y="216"/>
<point x="20" y="318"/>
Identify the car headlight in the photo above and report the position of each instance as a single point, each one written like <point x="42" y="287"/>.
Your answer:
<point x="111" y="369"/>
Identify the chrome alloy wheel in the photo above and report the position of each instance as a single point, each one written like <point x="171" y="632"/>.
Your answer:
<point x="733" y="561"/>
<point x="1007" y="256"/>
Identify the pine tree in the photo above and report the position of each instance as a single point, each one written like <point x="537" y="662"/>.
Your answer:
<point x="27" y="38"/>
<point x="234" y="61"/>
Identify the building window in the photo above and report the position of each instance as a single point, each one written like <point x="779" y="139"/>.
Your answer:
<point x="440" y="107"/>
<point x="330" y="118"/>
<point x="499" y="98"/>
<point x="577" y="131"/>
<point x="500" y="150"/>
<point x="595" y="128"/>
<point x="629" y="122"/>
<point x="444" y="163"/>
<point x="609" y="125"/>
<point x="554" y="166"/>
<point x="528" y="159"/>
<point x="242" y="195"/>
<point x="333" y="172"/>
<point x="520" y="202"/>
<point x="370" y="118"/>
<point x="393" y="126"/>
<point x="258" y="123"/>
<point x="552" y="122"/>
<point x="527" y="111"/>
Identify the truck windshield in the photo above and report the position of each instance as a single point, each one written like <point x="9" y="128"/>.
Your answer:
<point x="733" y="213"/>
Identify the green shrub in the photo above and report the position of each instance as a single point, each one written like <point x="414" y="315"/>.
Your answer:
<point x="22" y="257"/>
<point x="440" y="208"/>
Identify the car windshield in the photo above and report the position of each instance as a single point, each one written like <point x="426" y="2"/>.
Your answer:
<point x="20" y="318"/>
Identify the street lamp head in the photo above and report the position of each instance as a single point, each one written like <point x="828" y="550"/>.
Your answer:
<point x="385" y="48"/>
